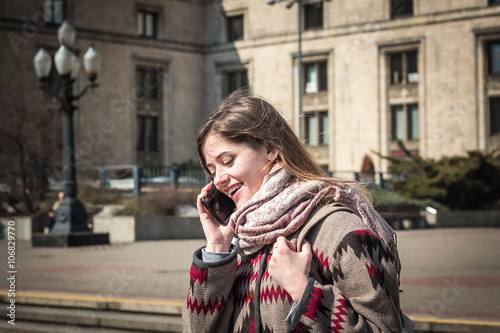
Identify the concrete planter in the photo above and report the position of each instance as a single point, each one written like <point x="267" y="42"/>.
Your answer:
<point x="25" y="226"/>
<point x="121" y="229"/>
<point x="138" y="228"/>
<point x="167" y="227"/>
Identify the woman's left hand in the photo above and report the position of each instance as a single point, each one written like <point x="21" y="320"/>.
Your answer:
<point x="290" y="268"/>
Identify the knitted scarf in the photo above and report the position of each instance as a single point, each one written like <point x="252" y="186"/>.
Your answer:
<point x="282" y="205"/>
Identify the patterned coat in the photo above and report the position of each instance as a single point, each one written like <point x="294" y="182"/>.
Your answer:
<point x="353" y="287"/>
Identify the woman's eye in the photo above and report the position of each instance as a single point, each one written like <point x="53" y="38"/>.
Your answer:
<point x="229" y="162"/>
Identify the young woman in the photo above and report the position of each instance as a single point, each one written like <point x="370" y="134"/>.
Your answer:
<point x="250" y="277"/>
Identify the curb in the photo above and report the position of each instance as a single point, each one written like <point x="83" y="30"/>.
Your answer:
<point x="93" y="302"/>
<point x="423" y="324"/>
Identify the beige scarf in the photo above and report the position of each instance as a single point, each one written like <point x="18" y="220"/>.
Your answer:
<point x="282" y="205"/>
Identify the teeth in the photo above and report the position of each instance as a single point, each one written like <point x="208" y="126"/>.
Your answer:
<point x="234" y="189"/>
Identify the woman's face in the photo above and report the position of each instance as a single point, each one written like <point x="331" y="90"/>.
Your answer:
<point x="237" y="169"/>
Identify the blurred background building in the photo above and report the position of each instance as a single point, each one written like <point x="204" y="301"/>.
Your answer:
<point x="373" y="72"/>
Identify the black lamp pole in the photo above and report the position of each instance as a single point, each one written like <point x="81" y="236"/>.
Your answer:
<point x="69" y="161"/>
<point x="71" y="215"/>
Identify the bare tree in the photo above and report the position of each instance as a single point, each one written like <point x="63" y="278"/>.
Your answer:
<point x="30" y="149"/>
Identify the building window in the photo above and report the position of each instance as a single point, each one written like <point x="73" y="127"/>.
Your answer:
<point x="405" y="122"/>
<point x="315" y="77"/>
<point x="313" y="16"/>
<point x="147" y="24"/>
<point x="235" y="80"/>
<point x="234" y="28"/>
<point x="55" y="11"/>
<point x="495" y="116"/>
<point x="494" y="57"/>
<point x="401" y="8"/>
<point x="147" y="133"/>
<point x="494" y="2"/>
<point x="149" y="82"/>
<point x="403" y="67"/>
<point x="316" y="128"/>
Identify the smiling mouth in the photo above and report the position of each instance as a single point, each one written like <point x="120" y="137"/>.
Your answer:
<point x="234" y="189"/>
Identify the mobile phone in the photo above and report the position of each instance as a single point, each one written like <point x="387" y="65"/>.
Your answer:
<point x="218" y="204"/>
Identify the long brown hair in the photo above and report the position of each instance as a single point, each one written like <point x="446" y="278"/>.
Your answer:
<point x="254" y="121"/>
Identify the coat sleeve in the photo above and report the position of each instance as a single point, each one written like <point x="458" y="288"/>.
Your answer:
<point x="353" y="286"/>
<point x="209" y="305"/>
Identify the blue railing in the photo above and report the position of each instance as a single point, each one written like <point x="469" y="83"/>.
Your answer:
<point x="135" y="179"/>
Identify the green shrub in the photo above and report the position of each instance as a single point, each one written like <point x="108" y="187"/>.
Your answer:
<point x="383" y="198"/>
<point x="459" y="182"/>
<point x="98" y="196"/>
<point x="162" y="202"/>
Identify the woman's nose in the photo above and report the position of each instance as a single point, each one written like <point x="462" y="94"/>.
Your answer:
<point x="221" y="178"/>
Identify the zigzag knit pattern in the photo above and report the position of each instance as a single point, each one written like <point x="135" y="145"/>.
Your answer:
<point x="255" y="265"/>
<point x="321" y="263"/>
<point x="371" y="244"/>
<point x="247" y="272"/>
<point x="337" y="315"/>
<point x="376" y="273"/>
<point x="193" y="305"/>
<point x="242" y="289"/>
<point x="270" y="295"/>
<point x="301" y="327"/>
<point x="371" y="241"/>
<point x="244" y="274"/>
<point x="314" y="304"/>
<point x="197" y="273"/>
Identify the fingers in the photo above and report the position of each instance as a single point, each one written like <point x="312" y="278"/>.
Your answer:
<point x="290" y="245"/>
<point x="289" y="268"/>
<point x="203" y="193"/>
<point x="205" y="216"/>
<point x="204" y="190"/>
<point x="283" y="243"/>
<point x="306" y="248"/>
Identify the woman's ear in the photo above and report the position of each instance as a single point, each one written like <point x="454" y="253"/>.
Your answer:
<point x="272" y="153"/>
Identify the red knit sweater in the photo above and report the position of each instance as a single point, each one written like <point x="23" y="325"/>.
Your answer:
<point x="353" y="287"/>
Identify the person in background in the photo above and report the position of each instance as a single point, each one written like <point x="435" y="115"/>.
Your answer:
<point x="52" y="211"/>
<point x="302" y="252"/>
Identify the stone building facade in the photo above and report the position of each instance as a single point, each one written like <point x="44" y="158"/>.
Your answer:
<point x="151" y="86"/>
<point x="373" y="71"/>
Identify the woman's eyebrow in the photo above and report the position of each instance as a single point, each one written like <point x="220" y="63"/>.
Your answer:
<point x="217" y="158"/>
<point x="222" y="154"/>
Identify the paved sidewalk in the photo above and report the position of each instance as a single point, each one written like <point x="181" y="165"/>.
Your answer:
<point x="448" y="274"/>
<point x="149" y="269"/>
<point x="451" y="273"/>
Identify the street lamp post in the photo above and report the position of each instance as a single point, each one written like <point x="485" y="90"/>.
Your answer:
<point x="71" y="215"/>
<point x="289" y="5"/>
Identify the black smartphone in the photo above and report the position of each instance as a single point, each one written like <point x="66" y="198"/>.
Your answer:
<point x="218" y="204"/>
